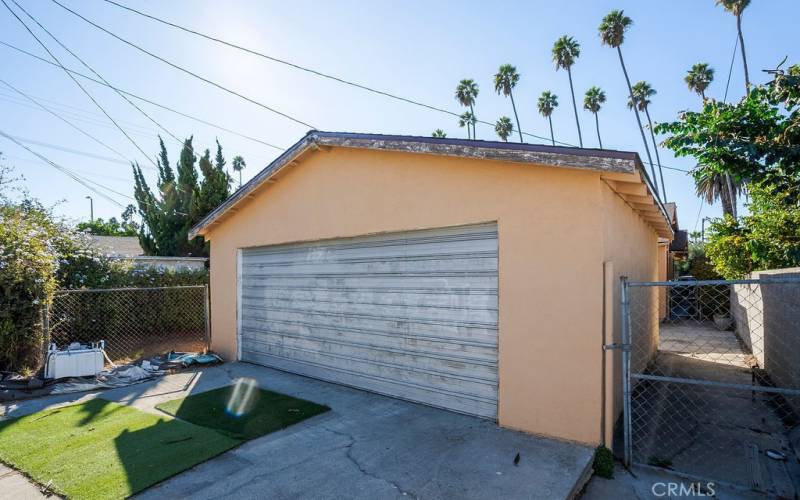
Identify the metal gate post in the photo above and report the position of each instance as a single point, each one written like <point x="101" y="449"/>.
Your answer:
<point x="207" y="311"/>
<point x="626" y="368"/>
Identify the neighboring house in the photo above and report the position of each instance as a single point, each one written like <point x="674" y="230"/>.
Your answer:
<point x="477" y="276"/>
<point x="128" y="248"/>
<point x="679" y="246"/>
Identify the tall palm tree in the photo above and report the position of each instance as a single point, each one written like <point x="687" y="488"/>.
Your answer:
<point x="565" y="51"/>
<point x="612" y="33"/>
<point x="713" y="186"/>
<point x="238" y="165"/>
<point x="504" y="82"/>
<point x="593" y="101"/>
<point x="467" y="119"/>
<point x="504" y="127"/>
<point x="736" y="7"/>
<point x="466" y="93"/>
<point x="640" y="98"/>
<point x="699" y="78"/>
<point x="547" y="103"/>
<point x="439" y="134"/>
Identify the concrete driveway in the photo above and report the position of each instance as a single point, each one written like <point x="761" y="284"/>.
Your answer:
<point x="368" y="446"/>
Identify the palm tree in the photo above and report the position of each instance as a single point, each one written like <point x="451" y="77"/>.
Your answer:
<point x="504" y="127"/>
<point x="593" y="101"/>
<point x="238" y="165"/>
<point x="565" y="51"/>
<point x="504" y="82"/>
<point x="640" y="98"/>
<point x="713" y="186"/>
<point x="548" y="102"/>
<point x="612" y="33"/>
<point x="467" y="119"/>
<point x="736" y="7"/>
<point x="466" y="92"/>
<point x="439" y="134"/>
<point x="699" y="78"/>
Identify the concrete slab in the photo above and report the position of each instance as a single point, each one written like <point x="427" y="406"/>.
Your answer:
<point x="368" y="446"/>
<point x="643" y="483"/>
<point x="14" y="484"/>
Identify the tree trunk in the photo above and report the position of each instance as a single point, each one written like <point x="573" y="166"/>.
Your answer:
<point x="597" y="127"/>
<point x="575" y="107"/>
<point x="731" y="195"/>
<point x="552" y="137"/>
<point x="725" y="197"/>
<point x="744" y="56"/>
<point x="655" y="148"/>
<point x="240" y="178"/>
<point x="472" y="110"/>
<point x="514" y="107"/>
<point x="703" y="95"/>
<point x="639" y="121"/>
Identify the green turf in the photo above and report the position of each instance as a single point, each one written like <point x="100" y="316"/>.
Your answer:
<point x="266" y="412"/>
<point x="100" y="449"/>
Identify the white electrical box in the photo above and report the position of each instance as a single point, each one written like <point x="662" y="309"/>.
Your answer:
<point x="77" y="360"/>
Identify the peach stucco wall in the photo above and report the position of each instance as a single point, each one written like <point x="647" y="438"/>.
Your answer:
<point x="631" y="248"/>
<point x="551" y="252"/>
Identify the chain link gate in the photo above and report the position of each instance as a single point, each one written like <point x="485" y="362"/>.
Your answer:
<point x="712" y="380"/>
<point x="134" y="322"/>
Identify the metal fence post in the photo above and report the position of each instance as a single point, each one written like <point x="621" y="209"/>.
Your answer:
<point x="207" y="310"/>
<point x="626" y="368"/>
<point x="45" y="330"/>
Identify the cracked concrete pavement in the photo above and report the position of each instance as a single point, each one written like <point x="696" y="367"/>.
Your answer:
<point x="368" y="446"/>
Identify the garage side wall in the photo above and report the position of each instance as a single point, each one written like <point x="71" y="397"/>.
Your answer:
<point x="550" y="260"/>
<point x="631" y="245"/>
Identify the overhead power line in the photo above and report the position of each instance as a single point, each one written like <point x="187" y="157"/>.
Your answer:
<point x="42" y="106"/>
<point x="143" y="99"/>
<point x="71" y="151"/>
<point x="312" y="71"/>
<point x="98" y="75"/>
<point x="74" y="176"/>
<point x="181" y="68"/>
<point x="75" y="80"/>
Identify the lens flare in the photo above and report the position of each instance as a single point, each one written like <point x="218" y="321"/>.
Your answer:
<point x="243" y="397"/>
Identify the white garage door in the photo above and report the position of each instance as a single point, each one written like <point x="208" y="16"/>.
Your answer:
<point x="411" y="315"/>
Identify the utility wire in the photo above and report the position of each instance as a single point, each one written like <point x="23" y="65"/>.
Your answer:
<point x="74" y="176"/>
<point x="181" y="68"/>
<point x="76" y="117"/>
<point x="71" y="151"/>
<point x="143" y="99"/>
<point x="312" y="71"/>
<point x="98" y="75"/>
<point x="89" y="95"/>
<point x="87" y="134"/>
<point x="730" y="70"/>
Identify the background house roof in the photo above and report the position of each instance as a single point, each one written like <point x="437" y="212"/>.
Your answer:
<point x="118" y="246"/>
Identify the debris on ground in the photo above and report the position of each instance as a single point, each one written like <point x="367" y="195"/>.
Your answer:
<point x="16" y="387"/>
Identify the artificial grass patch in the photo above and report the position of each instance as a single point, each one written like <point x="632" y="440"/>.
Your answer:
<point x="242" y="411"/>
<point x="100" y="449"/>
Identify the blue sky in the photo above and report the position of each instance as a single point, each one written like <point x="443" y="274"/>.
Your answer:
<point x="416" y="49"/>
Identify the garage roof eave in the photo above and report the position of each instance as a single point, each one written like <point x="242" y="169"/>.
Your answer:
<point x="608" y="161"/>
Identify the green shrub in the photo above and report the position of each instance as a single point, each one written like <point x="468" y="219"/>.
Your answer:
<point x="39" y="254"/>
<point x="603" y="464"/>
<point x="27" y="281"/>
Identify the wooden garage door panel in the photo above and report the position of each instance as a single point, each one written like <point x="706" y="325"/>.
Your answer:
<point x="378" y="297"/>
<point x="412" y="315"/>
<point x="428" y="395"/>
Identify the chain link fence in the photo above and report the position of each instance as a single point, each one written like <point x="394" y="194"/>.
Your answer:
<point x="714" y="380"/>
<point x="133" y="322"/>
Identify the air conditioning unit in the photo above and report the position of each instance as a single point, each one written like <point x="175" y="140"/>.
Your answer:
<point x="76" y="360"/>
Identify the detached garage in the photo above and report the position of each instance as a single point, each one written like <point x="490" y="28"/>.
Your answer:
<point x="473" y="276"/>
